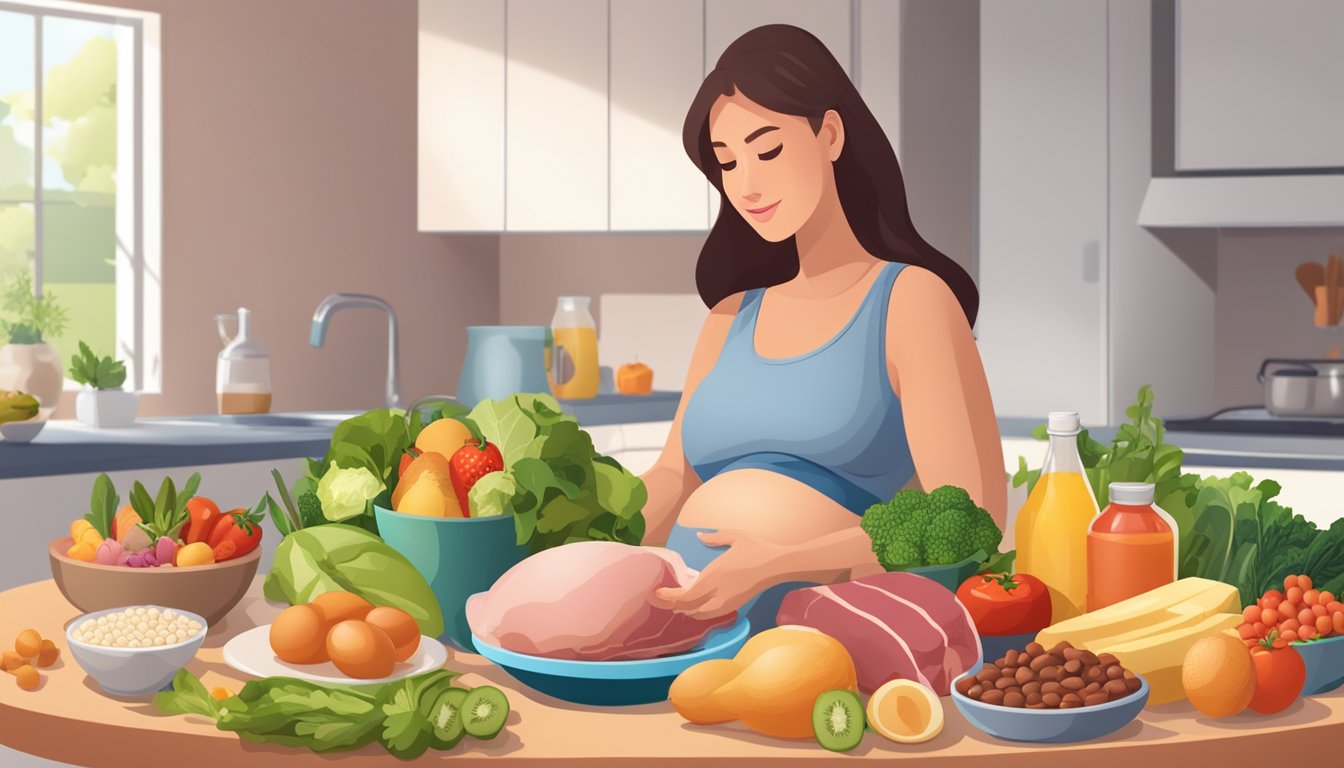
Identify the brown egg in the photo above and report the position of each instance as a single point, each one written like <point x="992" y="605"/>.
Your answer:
<point x="361" y="650"/>
<point x="297" y="636"/>
<point x="335" y="607"/>
<point x="401" y="629"/>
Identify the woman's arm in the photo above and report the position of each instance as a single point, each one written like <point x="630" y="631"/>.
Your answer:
<point x="671" y="480"/>
<point x="935" y="369"/>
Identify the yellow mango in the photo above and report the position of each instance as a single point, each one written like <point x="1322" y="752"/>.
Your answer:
<point x="426" y="488"/>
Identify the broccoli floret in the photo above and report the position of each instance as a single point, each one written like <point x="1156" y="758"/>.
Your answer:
<point x="937" y="528"/>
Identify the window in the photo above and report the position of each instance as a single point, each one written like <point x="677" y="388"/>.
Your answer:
<point x="80" y="181"/>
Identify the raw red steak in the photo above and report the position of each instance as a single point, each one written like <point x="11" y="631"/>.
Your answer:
<point x="589" y="600"/>
<point x="894" y="625"/>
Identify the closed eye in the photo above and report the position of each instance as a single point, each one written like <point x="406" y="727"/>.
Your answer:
<point x="771" y="154"/>
<point x="728" y="166"/>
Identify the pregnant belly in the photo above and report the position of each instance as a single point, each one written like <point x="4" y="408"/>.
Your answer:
<point x="765" y="504"/>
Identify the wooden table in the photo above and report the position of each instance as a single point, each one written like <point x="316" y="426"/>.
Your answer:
<point x="69" y="719"/>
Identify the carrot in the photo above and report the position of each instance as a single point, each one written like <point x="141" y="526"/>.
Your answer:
<point x="125" y="522"/>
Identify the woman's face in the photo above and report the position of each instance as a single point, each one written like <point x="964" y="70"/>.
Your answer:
<point x="774" y="167"/>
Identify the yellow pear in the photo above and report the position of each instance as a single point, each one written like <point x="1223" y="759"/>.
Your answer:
<point x="427" y="489"/>
<point x="443" y="437"/>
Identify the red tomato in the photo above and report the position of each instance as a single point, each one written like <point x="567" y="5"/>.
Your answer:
<point x="1279" y="677"/>
<point x="239" y="526"/>
<point x="1006" y="605"/>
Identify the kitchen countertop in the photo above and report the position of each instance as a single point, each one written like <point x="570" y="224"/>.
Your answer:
<point x="1224" y="449"/>
<point x="69" y="447"/>
<point x="66" y="446"/>
<point x="68" y="719"/>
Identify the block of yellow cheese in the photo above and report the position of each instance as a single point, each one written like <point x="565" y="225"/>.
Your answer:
<point x="1166" y="608"/>
<point x="1158" y="658"/>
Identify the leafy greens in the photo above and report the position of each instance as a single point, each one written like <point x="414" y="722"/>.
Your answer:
<point x="557" y="487"/>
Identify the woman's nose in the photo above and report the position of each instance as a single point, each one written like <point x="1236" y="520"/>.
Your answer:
<point x="746" y="188"/>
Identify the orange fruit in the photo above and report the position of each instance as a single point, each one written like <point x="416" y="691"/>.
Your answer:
<point x="1218" y="675"/>
<point x="401" y="629"/>
<point x="905" y="712"/>
<point x="361" y="650"/>
<point x="297" y="636"/>
<point x="335" y="607"/>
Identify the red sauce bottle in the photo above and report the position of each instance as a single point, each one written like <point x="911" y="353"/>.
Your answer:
<point x="1131" y="547"/>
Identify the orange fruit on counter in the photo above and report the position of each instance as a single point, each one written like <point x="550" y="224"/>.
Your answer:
<point x="634" y="379"/>
<point x="1218" y="675"/>
<point x="28" y="678"/>
<point x="28" y="644"/>
<point x="692" y="693"/>
<point x="48" y="655"/>
<point x="297" y="635"/>
<point x="401" y="629"/>
<point x="784" y="670"/>
<point x="905" y="712"/>
<point x="361" y="650"/>
<point x="11" y="661"/>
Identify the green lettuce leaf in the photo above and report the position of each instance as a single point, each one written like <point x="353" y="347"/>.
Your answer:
<point x="339" y="557"/>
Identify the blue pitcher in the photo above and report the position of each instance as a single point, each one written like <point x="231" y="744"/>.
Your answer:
<point x="503" y="360"/>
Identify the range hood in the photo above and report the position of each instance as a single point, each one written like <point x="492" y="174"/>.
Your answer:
<point x="1244" y="201"/>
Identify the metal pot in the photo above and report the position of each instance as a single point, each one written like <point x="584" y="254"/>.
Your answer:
<point x="1303" y="387"/>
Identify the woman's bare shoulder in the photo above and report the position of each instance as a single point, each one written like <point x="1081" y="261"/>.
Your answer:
<point x="918" y="294"/>
<point x="727" y="306"/>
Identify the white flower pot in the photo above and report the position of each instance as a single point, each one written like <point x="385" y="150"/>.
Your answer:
<point x="32" y="368"/>
<point x="106" y="407"/>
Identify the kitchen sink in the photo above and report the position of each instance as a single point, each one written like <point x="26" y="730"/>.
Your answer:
<point x="279" y="419"/>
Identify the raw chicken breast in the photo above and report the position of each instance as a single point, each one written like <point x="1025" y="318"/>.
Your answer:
<point x="589" y="600"/>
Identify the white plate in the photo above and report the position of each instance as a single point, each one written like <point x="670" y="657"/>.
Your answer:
<point x="251" y="654"/>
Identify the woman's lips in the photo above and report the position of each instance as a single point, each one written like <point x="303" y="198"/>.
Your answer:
<point x="764" y="214"/>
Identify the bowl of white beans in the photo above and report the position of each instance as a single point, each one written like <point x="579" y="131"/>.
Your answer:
<point x="136" y="650"/>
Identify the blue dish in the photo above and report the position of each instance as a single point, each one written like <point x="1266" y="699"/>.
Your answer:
<point x="1051" y="726"/>
<point x="613" y="683"/>
<point x="1325" y="664"/>
<point x="995" y="646"/>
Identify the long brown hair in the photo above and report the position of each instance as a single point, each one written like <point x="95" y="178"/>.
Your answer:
<point x="787" y="70"/>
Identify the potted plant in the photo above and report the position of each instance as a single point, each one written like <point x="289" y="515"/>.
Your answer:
<point x="102" y="402"/>
<point x="27" y="362"/>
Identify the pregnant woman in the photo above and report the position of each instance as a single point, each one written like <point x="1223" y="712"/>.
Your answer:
<point x="836" y="365"/>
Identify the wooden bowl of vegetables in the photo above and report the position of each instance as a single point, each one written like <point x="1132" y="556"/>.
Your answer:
<point x="176" y="550"/>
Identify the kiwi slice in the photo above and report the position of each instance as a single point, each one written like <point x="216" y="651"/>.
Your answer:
<point x="445" y="717"/>
<point x="837" y="720"/>
<point x="484" y="711"/>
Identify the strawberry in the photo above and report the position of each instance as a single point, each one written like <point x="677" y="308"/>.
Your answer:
<point x="474" y="460"/>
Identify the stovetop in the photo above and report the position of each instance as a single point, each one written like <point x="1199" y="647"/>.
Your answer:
<point x="1255" y="420"/>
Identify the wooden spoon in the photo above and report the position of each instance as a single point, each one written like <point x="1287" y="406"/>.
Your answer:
<point x="1310" y="274"/>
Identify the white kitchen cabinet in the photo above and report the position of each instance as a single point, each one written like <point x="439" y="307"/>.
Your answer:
<point x="1043" y="206"/>
<point x="1258" y="84"/>
<point x="460" y="125"/>
<point x="657" y="54"/>
<point x="726" y="20"/>
<point x="555" y="157"/>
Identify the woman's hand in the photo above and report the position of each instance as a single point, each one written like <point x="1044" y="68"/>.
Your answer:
<point x="747" y="568"/>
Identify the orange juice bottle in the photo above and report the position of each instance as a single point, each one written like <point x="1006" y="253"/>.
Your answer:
<point x="1052" y="526"/>
<point x="1131" y="547"/>
<point x="574" y="371"/>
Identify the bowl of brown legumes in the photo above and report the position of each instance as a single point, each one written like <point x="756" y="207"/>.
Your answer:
<point x="1050" y="696"/>
<point x="136" y="650"/>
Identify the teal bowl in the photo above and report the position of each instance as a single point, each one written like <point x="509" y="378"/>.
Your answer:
<point x="457" y="556"/>
<point x="1324" y="660"/>
<point x="950" y="575"/>
<point x="614" y="683"/>
<point x="1051" y="726"/>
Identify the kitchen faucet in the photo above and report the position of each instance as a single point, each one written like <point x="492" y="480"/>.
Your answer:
<point x="345" y="300"/>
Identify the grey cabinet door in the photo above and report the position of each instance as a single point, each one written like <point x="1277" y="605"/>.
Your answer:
<point x="1043" y="206"/>
<point x="1259" y="85"/>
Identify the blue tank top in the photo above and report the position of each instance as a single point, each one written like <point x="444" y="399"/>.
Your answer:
<point x="827" y="418"/>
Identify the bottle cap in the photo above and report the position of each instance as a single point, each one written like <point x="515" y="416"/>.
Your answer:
<point x="1063" y="423"/>
<point x="1132" y="493"/>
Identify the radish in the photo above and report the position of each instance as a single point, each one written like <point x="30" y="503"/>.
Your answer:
<point x="108" y="552"/>
<point x="165" y="550"/>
